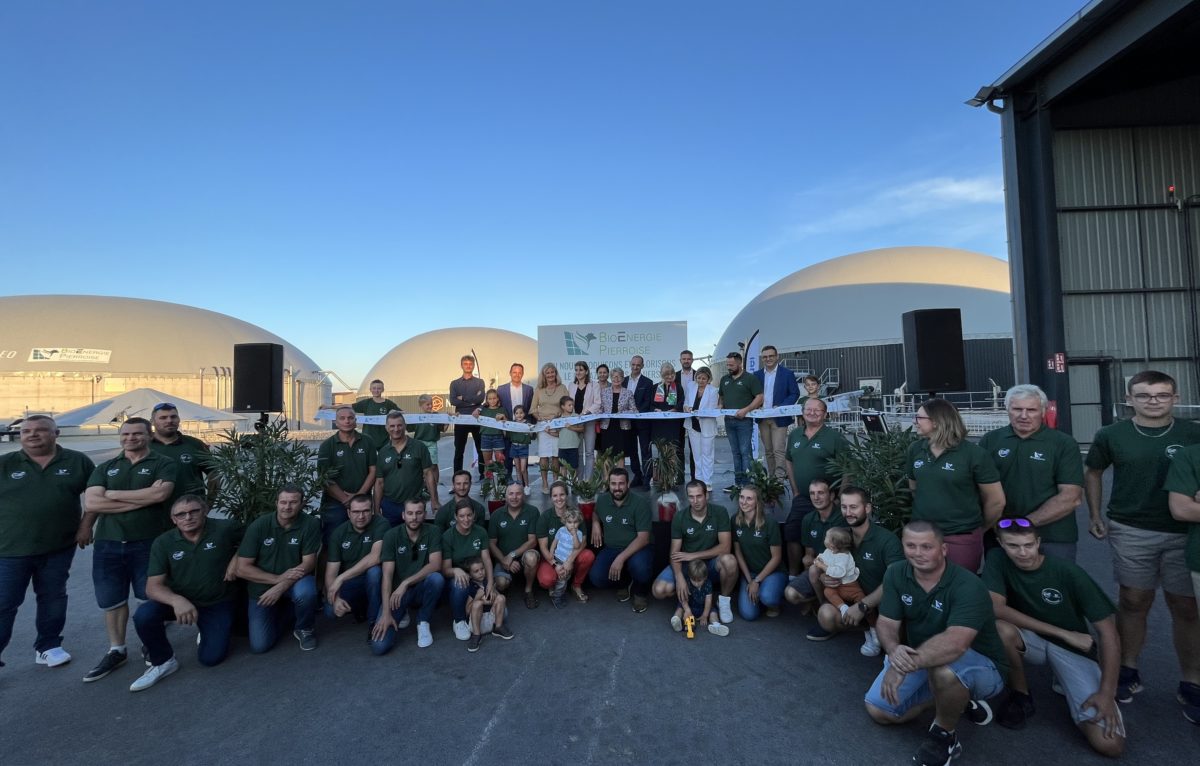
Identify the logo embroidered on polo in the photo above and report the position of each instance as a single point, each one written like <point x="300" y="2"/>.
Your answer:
<point x="346" y="545"/>
<point x="177" y="555"/>
<point x="1004" y="452"/>
<point x="210" y="545"/>
<point x="144" y="472"/>
<point x="868" y="556"/>
<point x="63" y="472"/>
<point x="269" y="541"/>
<point x="340" y="452"/>
<point x="708" y="528"/>
<point x="294" y="541"/>
<point x="402" y="549"/>
<point x="608" y="519"/>
<point x="937" y="605"/>
<point x="476" y="544"/>
<point x="17" y="474"/>
<point x="113" y="471"/>
<point x="185" y="458"/>
<point x="691" y="530"/>
<point x="1172" y="449"/>
<point x="422" y="547"/>
<point x="918" y="463"/>
<point x="815" y="445"/>
<point x="907" y="599"/>
<point x="948" y="467"/>
<point x="1052" y="596"/>
<point x="1038" y="457"/>
<point x="739" y="533"/>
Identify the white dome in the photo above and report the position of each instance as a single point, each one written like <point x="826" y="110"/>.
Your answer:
<point x="857" y="299"/>
<point x="426" y="363"/>
<point x="143" y="336"/>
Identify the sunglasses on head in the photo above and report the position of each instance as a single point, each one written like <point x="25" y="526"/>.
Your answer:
<point x="163" y="406"/>
<point x="1022" y="523"/>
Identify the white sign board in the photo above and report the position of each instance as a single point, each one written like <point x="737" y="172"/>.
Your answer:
<point x="611" y="344"/>
<point x="64" y="354"/>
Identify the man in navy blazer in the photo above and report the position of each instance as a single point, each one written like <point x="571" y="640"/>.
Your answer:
<point x="524" y="399"/>
<point x="643" y="399"/>
<point x="779" y="389"/>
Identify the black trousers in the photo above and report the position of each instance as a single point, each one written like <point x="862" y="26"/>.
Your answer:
<point x="460" y="445"/>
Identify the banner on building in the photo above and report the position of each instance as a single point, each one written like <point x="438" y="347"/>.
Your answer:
<point x="611" y="344"/>
<point x="63" y="354"/>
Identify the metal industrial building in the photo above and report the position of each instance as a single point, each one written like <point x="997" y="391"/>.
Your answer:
<point x="840" y="319"/>
<point x="1101" y="142"/>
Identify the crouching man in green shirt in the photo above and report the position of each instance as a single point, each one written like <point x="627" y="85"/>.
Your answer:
<point x="1043" y="607"/>
<point x="277" y="557"/>
<point x="189" y="580"/>
<point x="954" y="659"/>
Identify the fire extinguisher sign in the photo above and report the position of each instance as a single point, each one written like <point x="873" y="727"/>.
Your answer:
<point x="1057" y="363"/>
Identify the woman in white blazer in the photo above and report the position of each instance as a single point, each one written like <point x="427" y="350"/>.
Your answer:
<point x="586" y="393"/>
<point x="700" y="394"/>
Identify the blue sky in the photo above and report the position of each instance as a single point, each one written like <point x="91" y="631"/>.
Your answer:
<point x="350" y="174"/>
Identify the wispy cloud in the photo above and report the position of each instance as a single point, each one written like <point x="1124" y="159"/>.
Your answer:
<point x="941" y="210"/>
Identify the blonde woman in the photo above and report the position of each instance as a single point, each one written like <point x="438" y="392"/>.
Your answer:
<point x="700" y="394"/>
<point x="758" y="546"/>
<point x="546" y="398"/>
<point x="954" y="482"/>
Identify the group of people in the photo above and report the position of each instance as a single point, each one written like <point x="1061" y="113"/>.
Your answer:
<point x="980" y="584"/>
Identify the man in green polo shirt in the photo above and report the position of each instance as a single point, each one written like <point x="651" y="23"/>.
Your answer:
<point x="701" y="532"/>
<point x="126" y="501"/>
<point x="512" y="535"/>
<point x="401" y="467"/>
<point x="460" y="489"/>
<point x="1044" y="606"/>
<point x="621" y="533"/>
<point x="189" y="580"/>
<point x="375" y="405"/>
<point x="276" y="558"/>
<point x="1183" y="484"/>
<point x="953" y="658"/>
<point x="1148" y="546"/>
<point x="825" y="515"/>
<point x="809" y="450"/>
<point x="875" y="549"/>
<point x="188" y="452"/>
<point x="352" y="455"/>
<point x="741" y="391"/>
<point x="1041" y="470"/>
<point x="353" y="576"/>
<point x="412" y="574"/>
<point x="40" y="485"/>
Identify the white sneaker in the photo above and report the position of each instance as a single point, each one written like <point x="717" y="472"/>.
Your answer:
<point x="155" y="674"/>
<point x="488" y="621"/>
<point x="462" y="630"/>
<point x="404" y="621"/>
<point x="870" y="646"/>
<point x="528" y="491"/>
<point x="424" y="636"/>
<point x="843" y="609"/>
<point x="717" y="629"/>
<point x="676" y="623"/>
<point x="725" y="610"/>
<point x="52" y="658"/>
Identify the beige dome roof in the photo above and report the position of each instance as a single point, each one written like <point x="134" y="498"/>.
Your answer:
<point x="426" y="363"/>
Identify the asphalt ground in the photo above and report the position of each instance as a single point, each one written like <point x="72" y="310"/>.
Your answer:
<point x="592" y="684"/>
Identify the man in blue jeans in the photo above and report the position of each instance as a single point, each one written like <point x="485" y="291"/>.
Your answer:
<point x="277" y="557"/>
<point x="353" y="575"/>
<point x="189" y="580"/>
<point x="412" y="574"/>
<point x="621" y="533"/>
<point x="40" y="485"/>
<point x="953" y="659"/>
<point x="127" y="499"/>
<point x="741" y="391"/>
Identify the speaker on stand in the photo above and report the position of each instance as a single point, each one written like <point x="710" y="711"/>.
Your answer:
<point x="933" y="351"/>
<point x="258" y="379"/>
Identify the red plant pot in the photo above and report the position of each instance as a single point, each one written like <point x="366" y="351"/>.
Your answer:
<point x="493" y="505"/>
<point x="587" y="509"/>
<point x="666" y="511"/>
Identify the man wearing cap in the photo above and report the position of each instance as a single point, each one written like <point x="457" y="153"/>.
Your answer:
<point x="40" y="485"/>
<point x="378" y="406"/>
<point x="190" y="581"/>
<point x="126" y="501"/>
<point x="190" y="453"/>
<point x="742" y="392"/>
<point x="276" y="558"/>
<point x="353" y="575"/>
<point x="400" y="468"/>
<point x="353" y="457"/>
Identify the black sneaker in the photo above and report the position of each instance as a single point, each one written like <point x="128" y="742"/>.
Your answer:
<point x="624" y="595"/>
<point x="1192" y="714"/>
<point x="502" y="631"/>
<point x="939" y="748"/>
<point x="111" y="662"/>
<point x="980" y="712"/>
<point x="818" y="634"/>
<point x="1129" y="683"/>
<point x="473" y="642"/>
<point x="1015" y="711"/>
<point x="1188" y="694"/>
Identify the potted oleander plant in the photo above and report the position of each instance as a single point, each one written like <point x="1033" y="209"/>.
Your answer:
<point x="586" y="489"/>
<point x="494" y="484"/>
<point x="876" y="462"/>
<point x="770" y="488"/>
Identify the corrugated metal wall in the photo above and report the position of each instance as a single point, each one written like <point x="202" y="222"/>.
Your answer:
<point x="1127" y="291"/>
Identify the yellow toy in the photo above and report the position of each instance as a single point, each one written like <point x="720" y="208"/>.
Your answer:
<point x="690" y="623"/>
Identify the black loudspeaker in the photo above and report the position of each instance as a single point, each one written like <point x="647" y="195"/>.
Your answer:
<point x="933" y="351"/>
<point x="257" y="377"/>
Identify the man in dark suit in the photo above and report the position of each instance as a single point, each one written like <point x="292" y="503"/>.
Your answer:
<point x="643" y="399"/>
<point x="514" y="394"/>
<point x="779" y="390"/>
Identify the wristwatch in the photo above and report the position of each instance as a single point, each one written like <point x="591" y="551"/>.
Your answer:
<point x="862" y="607"/>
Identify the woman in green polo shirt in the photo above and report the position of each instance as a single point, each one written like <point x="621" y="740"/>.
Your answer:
<point x="758" y="547"/>
<point x="954" y="482"/>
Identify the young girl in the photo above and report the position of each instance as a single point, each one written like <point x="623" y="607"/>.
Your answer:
<point x="428" y="433"/>
<point x="568" y="542"/>
<point x="492" y="438"/>
<point x="837" y="561"/>
<point x="700" y="601"/>
<point x="479" y="602"/>
<point x="520" y="448"/>
<point x="571" y="437"/>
